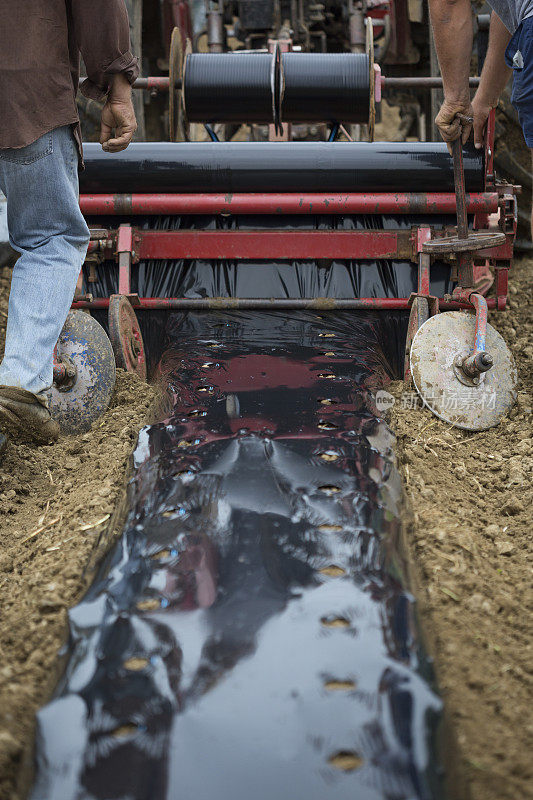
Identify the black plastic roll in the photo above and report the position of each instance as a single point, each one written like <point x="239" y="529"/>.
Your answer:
<point x="326" y="87"/>
<point x="219" y="87"/>
<point x="278" y="167"/>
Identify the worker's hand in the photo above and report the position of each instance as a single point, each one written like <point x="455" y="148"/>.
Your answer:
<point x="481" y="109"/>
<point x="449" y="126"/>
<point x="118" y="115"/>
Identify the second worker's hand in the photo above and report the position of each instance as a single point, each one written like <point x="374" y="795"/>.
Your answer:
<point x="118" y="117"/>
<point x="448" y="120"/>
<point x="481" y="109"/>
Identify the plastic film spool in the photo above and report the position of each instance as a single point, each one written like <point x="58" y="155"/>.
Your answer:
<point x="326" y="87"/>
<point x="228" y="87"/>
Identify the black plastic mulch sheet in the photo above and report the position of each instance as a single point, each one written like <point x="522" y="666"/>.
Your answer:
<point x="252" y="634"/>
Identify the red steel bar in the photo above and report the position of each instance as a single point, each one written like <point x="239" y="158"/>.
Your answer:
<point x="263" y="244"/>
<point x="153" y="84"/>
<point x="418" y="83"/>
<point x="124" y="251"/>
<point x="424" y="266"/>
<point x="272" y="304"/>
<point x="480" y="332"/>
<point x="501" y="285"/>
<point x="480" y="304"/>
<point x="291" y="203"/>
<point x="489" y="149"/>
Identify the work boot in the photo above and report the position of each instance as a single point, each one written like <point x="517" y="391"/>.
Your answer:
<point x="22" y="412"/>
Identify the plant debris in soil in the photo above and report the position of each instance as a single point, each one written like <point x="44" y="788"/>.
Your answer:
<point x="59" y="507"/>
<point x="471" y="501"/>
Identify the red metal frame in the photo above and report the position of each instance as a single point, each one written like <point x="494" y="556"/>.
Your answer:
<point x="130" y="245"/>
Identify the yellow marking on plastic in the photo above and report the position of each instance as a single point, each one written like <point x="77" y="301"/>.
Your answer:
<point x="329" y="455"/>
<point x="148" y="605"/>
<point x="124" y="730"/>
<point x="160" y="555"/>
<point x="335" y="622"/>
<point x="333" y="571"/>
<point x="339" y="686"/>
<point x="135" y="664"/>
<point x="346" y="760"/>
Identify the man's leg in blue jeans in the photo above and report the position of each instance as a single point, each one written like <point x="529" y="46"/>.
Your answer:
<point x="48" y="230"/>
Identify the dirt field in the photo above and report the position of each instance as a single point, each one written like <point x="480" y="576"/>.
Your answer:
<point x="59" y="506"/>
<point x="471" y="498"/>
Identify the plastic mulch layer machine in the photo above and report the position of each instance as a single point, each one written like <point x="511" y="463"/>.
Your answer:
<point x="252" y="633"/>
<point x="389" y="226"/>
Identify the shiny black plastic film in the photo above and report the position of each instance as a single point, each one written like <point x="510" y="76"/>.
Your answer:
<point x="278" y="166"/>
<point x="331" y="87"/>
<point x="222" y="87"/>
<point x="252" y="634"/>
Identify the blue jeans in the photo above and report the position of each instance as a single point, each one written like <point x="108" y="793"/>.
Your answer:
<point x="47" y="228"/>
<point x="519" y="56"/>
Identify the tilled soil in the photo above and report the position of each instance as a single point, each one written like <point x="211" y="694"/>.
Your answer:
<point x="59" y="507"/>
<point x="471" y="501"/>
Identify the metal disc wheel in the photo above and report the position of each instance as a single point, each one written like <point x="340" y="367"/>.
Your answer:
<point x="126" y="337"/>
<point x="436" y="346"/>
<point x="419" y="314"/>
<point x="84" y="345"/>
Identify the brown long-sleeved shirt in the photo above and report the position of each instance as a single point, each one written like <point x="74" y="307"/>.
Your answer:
<point x="40" y="46"/>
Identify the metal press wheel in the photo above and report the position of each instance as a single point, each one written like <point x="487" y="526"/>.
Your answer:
<point x="126" y="337"/>
<point x="78" y="401"/>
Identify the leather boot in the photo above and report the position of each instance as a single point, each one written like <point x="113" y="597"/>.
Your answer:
<point x="25" y="414"/>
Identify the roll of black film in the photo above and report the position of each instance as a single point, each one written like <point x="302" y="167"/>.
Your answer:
<point x="326" y="87"/>
<point x="228" y="87"/>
